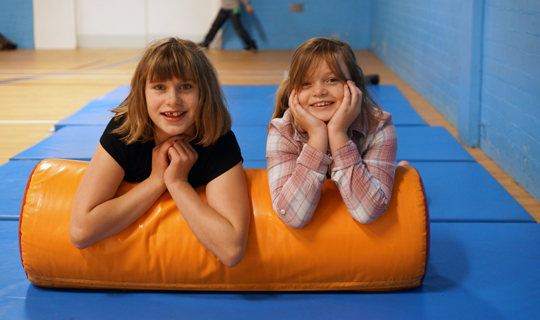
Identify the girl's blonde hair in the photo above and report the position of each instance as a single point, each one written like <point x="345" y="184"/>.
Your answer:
<point x="163" y="60"/>
<point x="307" y="57"/>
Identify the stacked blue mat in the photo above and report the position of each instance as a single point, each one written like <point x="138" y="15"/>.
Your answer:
<point x="485" y="248"/>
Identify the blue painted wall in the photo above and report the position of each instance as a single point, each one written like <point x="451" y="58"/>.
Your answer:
<point x="17" y="22"/>
<point x="423" y="42"/>
<point x="419" y="41"/>
<point x="510" y="108"/>
<point x="273" y="26"/>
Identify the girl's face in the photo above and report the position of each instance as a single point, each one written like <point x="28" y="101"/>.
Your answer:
<point x="172" y="105"/>
<point x="322" y="93"/>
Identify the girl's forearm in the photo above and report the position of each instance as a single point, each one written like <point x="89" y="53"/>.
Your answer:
<point x="211" y="228"/>
<point x="115" y="215"/>
<point x="337" y="139"/>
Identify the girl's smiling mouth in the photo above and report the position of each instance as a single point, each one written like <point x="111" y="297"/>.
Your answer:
<point x="322" y="104"/>
<point x="173" y="116"/>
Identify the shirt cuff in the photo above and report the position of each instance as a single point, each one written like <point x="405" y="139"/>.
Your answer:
<point x="314" y="160"/>
<point x="345" y="156"/>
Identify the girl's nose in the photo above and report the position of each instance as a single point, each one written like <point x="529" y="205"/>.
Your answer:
<point x="320" y="90"/>
<point x="173" y="97"/>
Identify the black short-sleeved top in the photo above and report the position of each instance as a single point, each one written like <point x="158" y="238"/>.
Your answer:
<point x="136" y="158"/>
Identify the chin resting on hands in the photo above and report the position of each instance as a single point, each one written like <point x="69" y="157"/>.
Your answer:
<point x="349" y="109"/>
<point x="182" y="158"/>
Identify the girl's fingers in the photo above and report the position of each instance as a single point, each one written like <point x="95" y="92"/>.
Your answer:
<point x="185" y="150"/>
<point x="291" y="98"/>
<point x="356" y="94"/>
<point x="346" y="94"/>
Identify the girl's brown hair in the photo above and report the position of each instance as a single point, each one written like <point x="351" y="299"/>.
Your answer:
<point x="304" y="62"/>
<point x="163" y="60"/>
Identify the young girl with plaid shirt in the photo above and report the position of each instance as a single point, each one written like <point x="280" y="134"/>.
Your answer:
<point x="326" y="125"/>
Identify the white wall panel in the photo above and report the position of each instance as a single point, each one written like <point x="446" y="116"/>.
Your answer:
<point x="54" y="24"/>
<point x="181" y="18"/>
<point x="111" y="23"/>
<point x="135" y="23"/>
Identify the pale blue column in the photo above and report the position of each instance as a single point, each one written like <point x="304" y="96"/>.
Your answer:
<point x="471" y="42"/>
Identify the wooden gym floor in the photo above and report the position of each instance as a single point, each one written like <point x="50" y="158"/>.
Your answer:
<point x="40" y="87"/>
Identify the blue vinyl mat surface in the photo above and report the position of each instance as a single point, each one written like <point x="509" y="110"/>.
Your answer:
<point x="95" y="113"/>
<point x="384" y="94"/>
<point x="480" y="267"/>
<point x="466" y="192"/>
<point x="403" y="114"/>
<point x="414" y="144"/>
<point x="237" y="92"/>
<point x="469" y="193"/>
<point x="476" y="271"/>
<point x="13" y="177"/>
<point x="80" y="143"/>
<point x="248" y="105"/>
<point x="429" y="144"/>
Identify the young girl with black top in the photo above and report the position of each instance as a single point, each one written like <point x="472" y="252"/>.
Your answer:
<point x="171" y="133"/>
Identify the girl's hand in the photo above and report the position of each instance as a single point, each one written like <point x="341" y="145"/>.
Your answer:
<point x="182" y="157"/>
<point x="306" y="120"/>
<point x="348" y="111"/>
<point x="316" y="129"/>
<point x="160" y="160"/>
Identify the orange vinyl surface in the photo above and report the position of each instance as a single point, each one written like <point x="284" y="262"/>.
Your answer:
<point x="159" y="251"/>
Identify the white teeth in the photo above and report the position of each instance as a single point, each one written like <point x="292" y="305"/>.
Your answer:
<point x="321" y="104"/>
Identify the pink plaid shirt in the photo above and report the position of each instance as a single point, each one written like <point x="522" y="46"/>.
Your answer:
<point x="363" y="170"/>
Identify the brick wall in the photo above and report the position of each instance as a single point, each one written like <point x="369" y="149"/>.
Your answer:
<point x="510" y="109"/>
<point x="419" y="41"/>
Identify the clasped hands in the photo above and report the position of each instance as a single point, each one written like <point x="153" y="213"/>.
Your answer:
<point x="172" y="161"/>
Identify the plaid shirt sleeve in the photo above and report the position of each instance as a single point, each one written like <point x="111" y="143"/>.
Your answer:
<point x="296" y="175"/>
<point x="365" y="182"/>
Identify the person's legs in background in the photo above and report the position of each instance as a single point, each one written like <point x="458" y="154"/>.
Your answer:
<point x="218" y="22"/>
<point x="250" y="43"/>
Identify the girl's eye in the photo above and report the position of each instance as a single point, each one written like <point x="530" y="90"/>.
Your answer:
<point x="305" y="84"/>
<point x="334" y="80"/>
<point x="186" y="86"/>
<point x="159" y="87"/>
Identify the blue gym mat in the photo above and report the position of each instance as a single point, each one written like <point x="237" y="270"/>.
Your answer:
<point x="466" y="192"/>
<point x="262" y="92"/>
<point x="244" y="112"/>
<point x="75" y="143"/>
<point x="469" y="193"/>
<point x="249" y="106"/>
<point x="403" y="114"/>
<point x="95" y="113"/>
<point x="117" y="95"/>
<point x="414" y="144"/>
<point x="384" y="94"/>
<point x="13" y="177"/>
<point x="80" y="142"/>
<point x="476" y="271"/>
<point x="429" y="144"/>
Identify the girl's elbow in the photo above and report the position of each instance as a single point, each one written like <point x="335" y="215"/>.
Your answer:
<point x="233" y="256"/>
<point x="77" y="238"/>
<point x="365" y="219"/>
<point x="296" y="224"/>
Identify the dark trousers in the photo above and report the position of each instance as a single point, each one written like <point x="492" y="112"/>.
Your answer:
<point x="222" y="16"/>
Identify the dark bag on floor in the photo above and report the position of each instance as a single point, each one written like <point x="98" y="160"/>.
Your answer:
<point x="5" y="44"/>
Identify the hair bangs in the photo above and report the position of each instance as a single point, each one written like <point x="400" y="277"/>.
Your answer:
<point x="171" y="63"/>
<point x="309" y="59"/>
